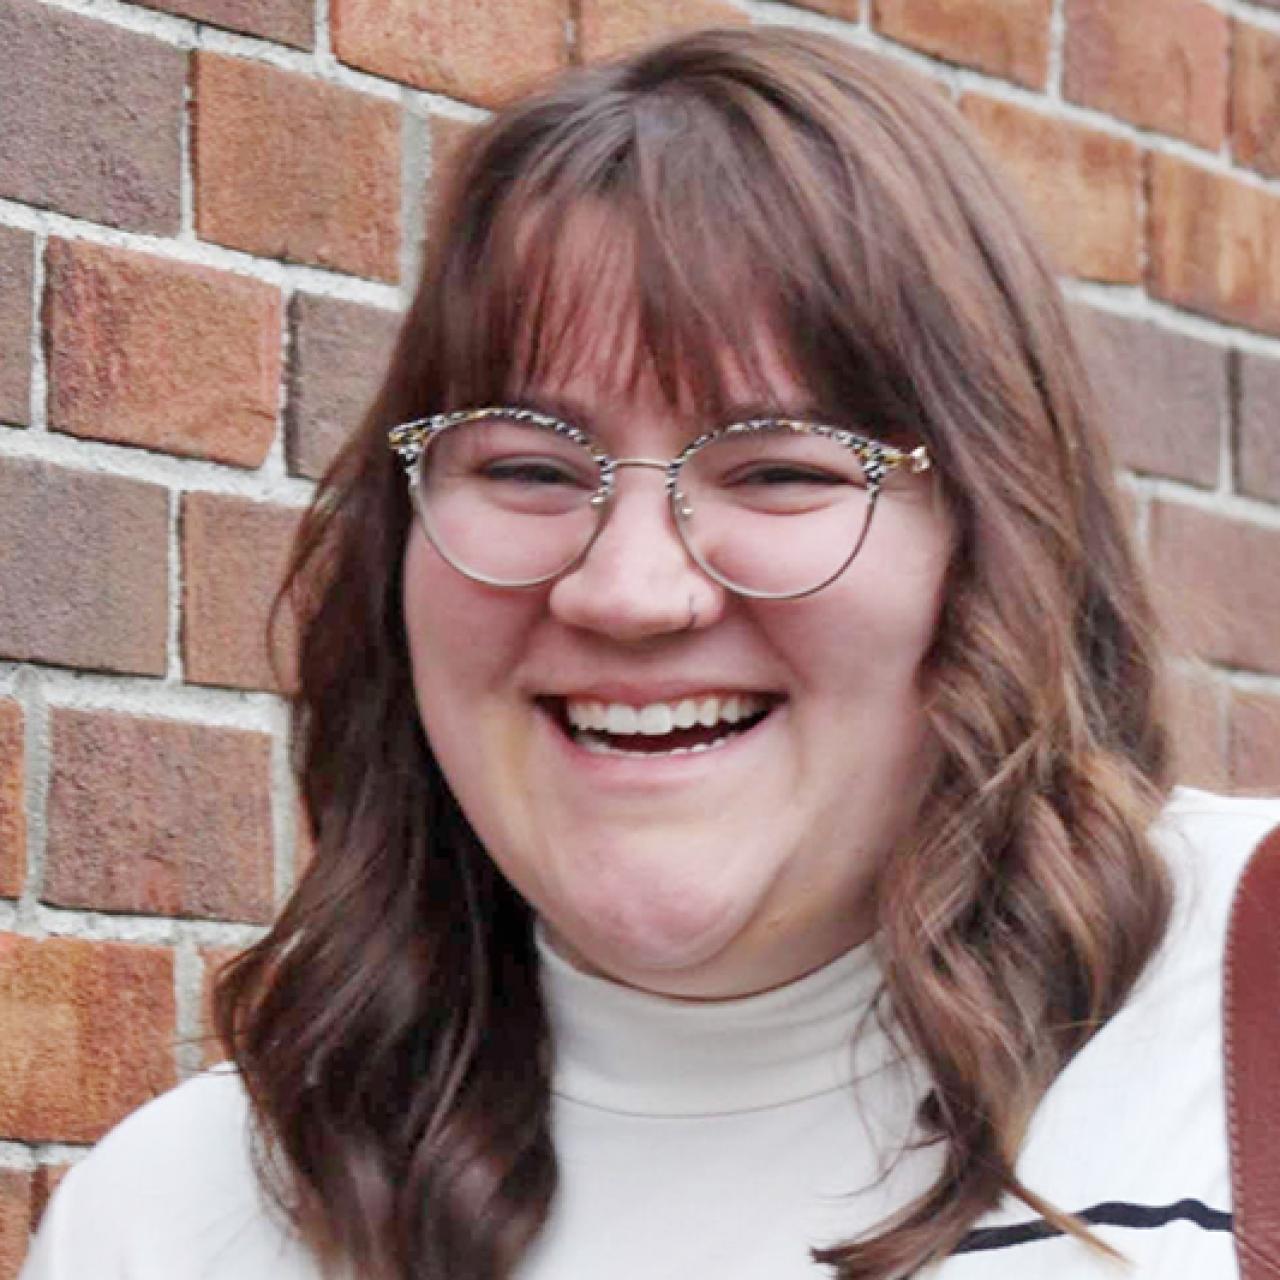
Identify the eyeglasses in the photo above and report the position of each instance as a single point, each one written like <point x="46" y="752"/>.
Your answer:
<point x="771" y="508"/>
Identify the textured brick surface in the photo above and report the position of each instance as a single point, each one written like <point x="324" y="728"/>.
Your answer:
<point x="1060" y="167"/>
<point x="339" y="353"/>
<point x="160" y="817"/>
<point x="86" y="1035"/>
<point x="607" y="27"/>
<point x="16" y="1198"/>
<point x="90" y="118"/>
<point x="16" y="252"/>
<point x="1255" y="99"/>
<point x="1219" y="585"/>
<point x="13" y="822"/>
<point x="288" y="21"/>
<point x="1165" y="396"/>
<point x="1214" y="244"/>
<point x="1255" y="741"/>
<point x="44" y="1182"/>
<point x="233" y="557"/>
<point x="147" y="351"/>
<point x="1258" y="434"/>
<point x="482" y="51"/>
<point x="1006" y="37"/>
<point x="850" y="9"/>
<point x="1160" y="63"/>
<point x="1199" y="730"/>
<point x="288" y="167"/>
<point x="213" y="959"/>
<point x="84" y="561"/>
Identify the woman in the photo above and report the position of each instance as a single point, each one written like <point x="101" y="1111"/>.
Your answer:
<point x="728" y="719"/>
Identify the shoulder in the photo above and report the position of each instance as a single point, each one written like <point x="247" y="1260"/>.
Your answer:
<point x="176" y="1180"/>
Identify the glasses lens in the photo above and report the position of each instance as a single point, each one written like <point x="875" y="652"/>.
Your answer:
<point x="774" y="511"/>
<point x="507" y="501"/>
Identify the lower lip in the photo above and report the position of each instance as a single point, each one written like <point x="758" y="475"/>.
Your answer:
<point x="656" y="768"/>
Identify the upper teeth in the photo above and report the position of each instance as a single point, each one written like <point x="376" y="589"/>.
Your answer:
<point x="662" y="717"/>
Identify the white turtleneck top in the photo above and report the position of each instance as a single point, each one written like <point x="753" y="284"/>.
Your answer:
<point x="706" y="1140"/>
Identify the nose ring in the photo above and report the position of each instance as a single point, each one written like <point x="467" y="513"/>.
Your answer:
<point x="693" y="616"/>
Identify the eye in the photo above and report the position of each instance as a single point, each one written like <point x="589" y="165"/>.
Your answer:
<point x="779" y="474"/>
<point x="532" y="472"/>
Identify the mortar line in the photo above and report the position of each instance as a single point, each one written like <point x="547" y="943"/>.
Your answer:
<point x="38" y="402"/>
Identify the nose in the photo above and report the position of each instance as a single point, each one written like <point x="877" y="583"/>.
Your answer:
<point x="637" y="582"/>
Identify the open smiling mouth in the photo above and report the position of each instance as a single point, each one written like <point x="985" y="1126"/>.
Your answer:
<point x="684" y="727"/>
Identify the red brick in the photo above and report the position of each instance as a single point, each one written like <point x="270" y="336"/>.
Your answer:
<point x="1214" y="244"/>
<point x="233" y="558"/>
<point x="86" y="566"/>
<point x="1219" y="583"/>
<point x="213" y="959"/>
<point x="1258" y="427"/>
<point x="17" y="250"/>
<point x="339" y="353"/>
<point x="90" y="118"/>
<point x="162" y="354"/>
<point x="158" y="817"/>
<point x="13" y="822"/>
<point x="609" y="27"/>
<point x="1255" y="741"/>
<point x="16" y="1196"/>
<point x="1006" y="37"/>
<point x="287" y="21"/>
<point x="1060" y="166"/>
<point x="1255" y="99"/>
<point x="293" y="168"/>
<point x="1162" y="64"/>
<point x="850" y="9"/>
<point x="482" y="51"/>
<point x="44" y="1182"/>
<point x="1199" y="730"/>
<point x="86" y="1035"/>
<point x="1165" y="396"/>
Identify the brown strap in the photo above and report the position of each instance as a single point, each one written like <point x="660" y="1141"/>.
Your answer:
<point x="1252" y="1013"/>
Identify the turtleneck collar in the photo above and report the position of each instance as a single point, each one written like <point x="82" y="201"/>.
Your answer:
<point x="619" y="1049"/>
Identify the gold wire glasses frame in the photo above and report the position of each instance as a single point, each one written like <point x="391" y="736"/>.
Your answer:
<point x="414" y="441"/>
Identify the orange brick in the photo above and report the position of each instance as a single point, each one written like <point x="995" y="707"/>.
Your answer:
<point x="340" y="351"/>
<point x="1255" y="99"/>
<point x="160" y="817"/>
<point x="1214" y="244"/>
<point x="162" y="354"/>
<point x="850" y="9"/>
<point x="16" y="256"/>
<point x="86" y="568"/>
<point x="289" y="167"/>
<point x="1081" y="187"/>
<point x="1255" y="741"/>
<point x="90" y="118"/>
<point x="1258" y="427"/>
<point x="608" y="27"/>
<point x="1162" y="64"/>
<point x="288" y="21"/>
<point x="13" y="822"/>
<point x="44" y="1182"/>
<point x="233" y="557"/>
<point x="1009" y="38"/>
<point x="86" y="1035"/>
<point x="16" y="1197"/>
<point x="482" y="51"/>
<point x="1199" y="730"/>
<point x="1219" y="585"/>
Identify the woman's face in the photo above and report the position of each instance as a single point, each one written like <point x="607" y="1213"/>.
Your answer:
<point x="709" y="874"/>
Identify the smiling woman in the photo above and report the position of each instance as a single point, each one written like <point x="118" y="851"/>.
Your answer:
<point x="729" y="721"/>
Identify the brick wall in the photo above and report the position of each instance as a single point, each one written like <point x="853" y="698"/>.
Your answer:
<point x="210" y="213"/>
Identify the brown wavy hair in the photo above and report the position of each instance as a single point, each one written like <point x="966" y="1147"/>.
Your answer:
<point x="389" y="1028"/>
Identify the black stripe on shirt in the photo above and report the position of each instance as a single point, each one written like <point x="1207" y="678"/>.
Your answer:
<point x="1113" y="1213"/>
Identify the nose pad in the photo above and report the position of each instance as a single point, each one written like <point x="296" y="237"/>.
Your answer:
<point x="637" y="580"/>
